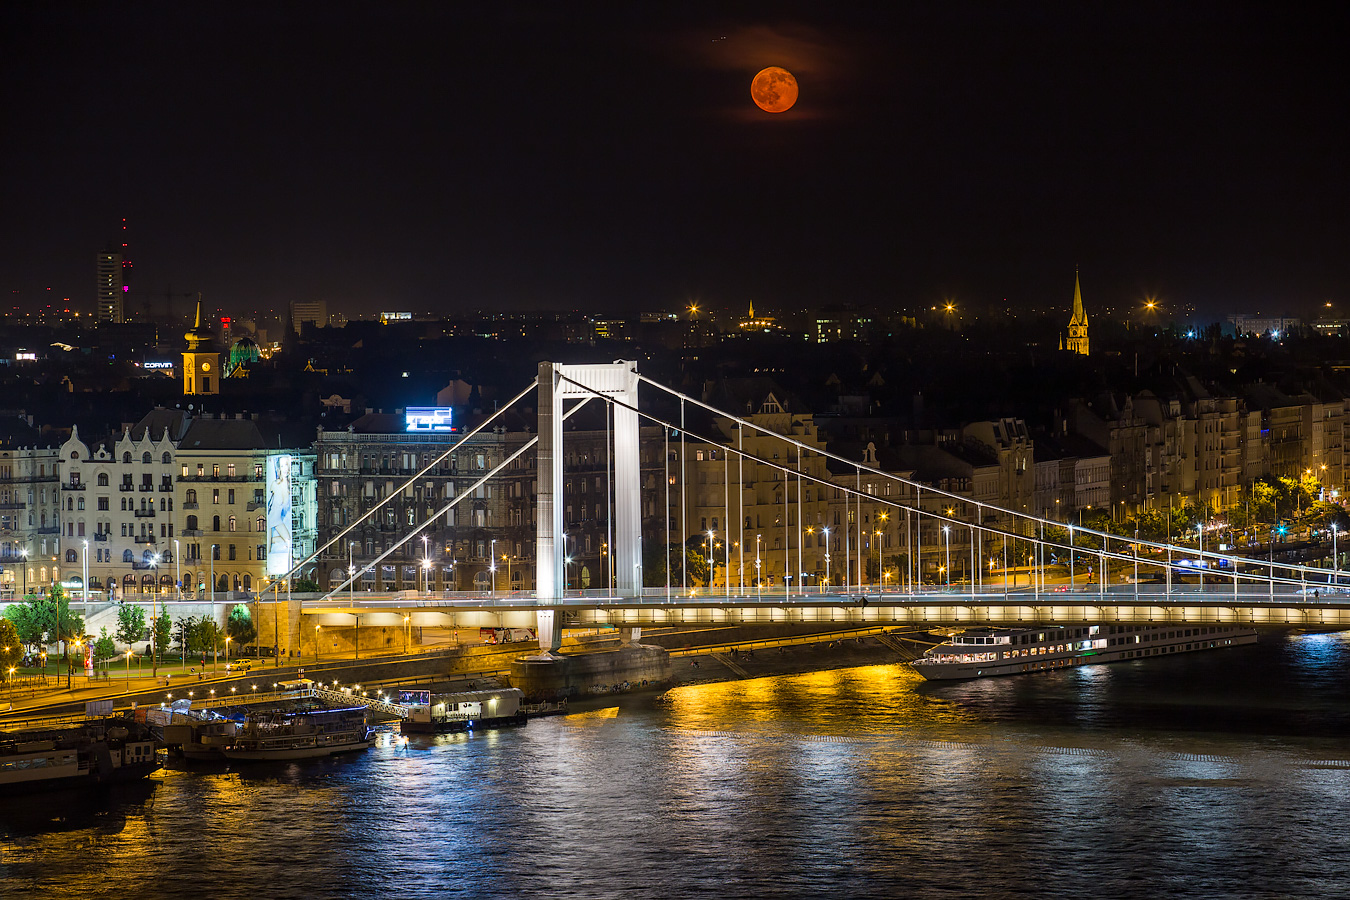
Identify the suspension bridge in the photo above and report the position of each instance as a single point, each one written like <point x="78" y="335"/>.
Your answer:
<point x="760" y="524"/>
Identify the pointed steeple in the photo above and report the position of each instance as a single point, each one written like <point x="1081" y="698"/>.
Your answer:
<point x="1078" y="323"/>
<point x="752" y="309"/>
<point x="1079" y="316"/>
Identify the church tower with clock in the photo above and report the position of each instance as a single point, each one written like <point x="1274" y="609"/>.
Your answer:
<point x="201" y="360"/>
<point x="1078" y="323"/>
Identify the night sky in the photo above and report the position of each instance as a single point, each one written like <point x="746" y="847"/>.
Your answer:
<point x="454" y="157"/>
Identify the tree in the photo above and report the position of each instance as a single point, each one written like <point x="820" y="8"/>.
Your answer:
<point x="25" y="622"/>
<point x="182" y="633"/>
<point x="11" y="647"/>
<point x="205" y="635"/>
<point x="163" y="630"/>
<point x="239" y="626"/>
<point x="130" y="623"/>
<point x="303" y="586"/>
<point x="104" y="648"/>
<point x="50" y="617"/>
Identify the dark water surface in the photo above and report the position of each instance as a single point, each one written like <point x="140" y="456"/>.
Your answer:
<point x="1224" y="774"/>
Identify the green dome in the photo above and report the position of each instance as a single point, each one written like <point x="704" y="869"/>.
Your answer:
<point x="241" y="351"/>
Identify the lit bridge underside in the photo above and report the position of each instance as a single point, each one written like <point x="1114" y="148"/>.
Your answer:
<point x="1011" y="609"/>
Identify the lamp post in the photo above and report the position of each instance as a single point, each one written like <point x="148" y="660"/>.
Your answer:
<point x="177" y="571"/>
<point x="24" y="564"/>
<point x="351" y="572"/>
<point x="426" y="564"/>
<point x="227" y="653"/>
<point x="507" y="558"/>
<point x="84" y="585"/>
<point x="316" y="644"/>
<point x="759" y="583"/>
<point x="128" y="681"/>
<point x="407" y="635"/>
<point x="1335" y="561"/>
<point x="711" y="568"/>
<point x="876" y="536"/>
<point x="827" y="558"/>
<point x="492" y="563"/>
<point x="154" y="623"/>
<point x="947" y="543"/>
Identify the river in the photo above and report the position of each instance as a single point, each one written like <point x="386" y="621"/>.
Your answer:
<point x="1223" y="774"/>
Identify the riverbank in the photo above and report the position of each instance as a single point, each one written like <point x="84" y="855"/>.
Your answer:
<point x="843" y="651"/>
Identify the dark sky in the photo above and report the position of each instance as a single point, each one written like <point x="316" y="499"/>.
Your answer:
<point x="603" y="157"/>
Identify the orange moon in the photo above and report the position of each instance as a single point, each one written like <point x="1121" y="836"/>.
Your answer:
<point x="774" y="90"/>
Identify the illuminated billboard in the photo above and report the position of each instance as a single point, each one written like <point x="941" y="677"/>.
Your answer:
<point x="279" y="538"/>
<point x="427" y="418"/>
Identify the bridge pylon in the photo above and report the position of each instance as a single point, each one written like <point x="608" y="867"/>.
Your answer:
<point x="558" y="383"/>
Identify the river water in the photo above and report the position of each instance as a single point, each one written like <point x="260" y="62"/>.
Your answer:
<point x="1223" y="774"/>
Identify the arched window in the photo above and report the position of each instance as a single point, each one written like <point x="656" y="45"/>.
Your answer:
<point x="145" y="457"/>
<point x="102" y="479"/>
<point x="262" y="523"/>
<point x="215" y="523"/>
<point x="248" y="581"/>
<point x="126" y="457"/>
<point x="191" y="523"/>
<point x="70" y="556"/>
<point x="191" y="496"/>
<point x="128" y="556"/>
<point x="233" y="523"/>
<point x="166" y="458"/>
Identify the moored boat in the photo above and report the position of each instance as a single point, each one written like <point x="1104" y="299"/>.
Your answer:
<point x="97" y="752"/>
<point x="300" y="735"/>
<point x="982" y="652"/>
<point x="462" y="711"/>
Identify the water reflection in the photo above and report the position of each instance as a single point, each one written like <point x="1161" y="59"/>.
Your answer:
<point x="1131" y="779"/>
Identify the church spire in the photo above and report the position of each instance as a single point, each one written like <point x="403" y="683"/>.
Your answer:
<point x="1078" y="322"/>
<point x="752" y="309"/>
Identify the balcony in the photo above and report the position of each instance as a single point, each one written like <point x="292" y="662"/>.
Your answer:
<point x="145" y="539"/>
<point x="166" y="488"/>
<point x="145" y="513"/>
<point x="101" y="535"/>
<point x="190" y="506"/>
<point x="147" y="488"/>
<point x="190" y="532"/>
<point x="72" y="486"/>
<point x="13" y="505"/>
<point x="252" y="505"/>
<point x="126" y="487"/>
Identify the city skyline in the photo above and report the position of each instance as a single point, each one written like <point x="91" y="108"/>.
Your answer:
<point x="440" y="160"/>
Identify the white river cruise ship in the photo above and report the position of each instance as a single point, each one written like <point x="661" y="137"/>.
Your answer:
<point x="978" y="653"/>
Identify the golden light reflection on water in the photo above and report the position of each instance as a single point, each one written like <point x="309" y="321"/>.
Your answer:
<point x="885" y="698"/>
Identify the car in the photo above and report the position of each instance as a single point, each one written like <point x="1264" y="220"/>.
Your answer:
<point x="238" y="667"/>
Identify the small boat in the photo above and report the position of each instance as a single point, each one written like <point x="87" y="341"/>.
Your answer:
<point x="982" y="652"/>
<point x="462" y="711"/>
<point x="300" y="735"/>
<point x="97" y="752"/>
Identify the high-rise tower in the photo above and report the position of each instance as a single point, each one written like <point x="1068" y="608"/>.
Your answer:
<point x="114" y="280"/>
<point x="110" y="286"/>
<point x="201" y="360"/>
<point x="1078" y="323"/>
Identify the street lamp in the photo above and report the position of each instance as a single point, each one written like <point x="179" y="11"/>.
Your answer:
<point x="128" y="682"/>
<point x="711" y="568"/>
<point x="876" y="535"/>
<point x="351" y="572"/>
<point x="407" y="635"/>
<point x="759" y="583"/>
<point x="947" y="542"/>
<point x="316" y="644"/>
<point x="426" y="565"/>
<point x="84" y="585"/>
<point x="827" y="557"/>
<point x="227" y="653"/>
<point x="24" y="553"/>
<point x="154" y="622"/>
<point x="177" y="571"/>
<point x="1335" y="560"/>
<point x="492" y="563"/>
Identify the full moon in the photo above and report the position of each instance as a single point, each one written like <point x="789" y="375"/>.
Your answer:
<point x="774" y="90"/>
